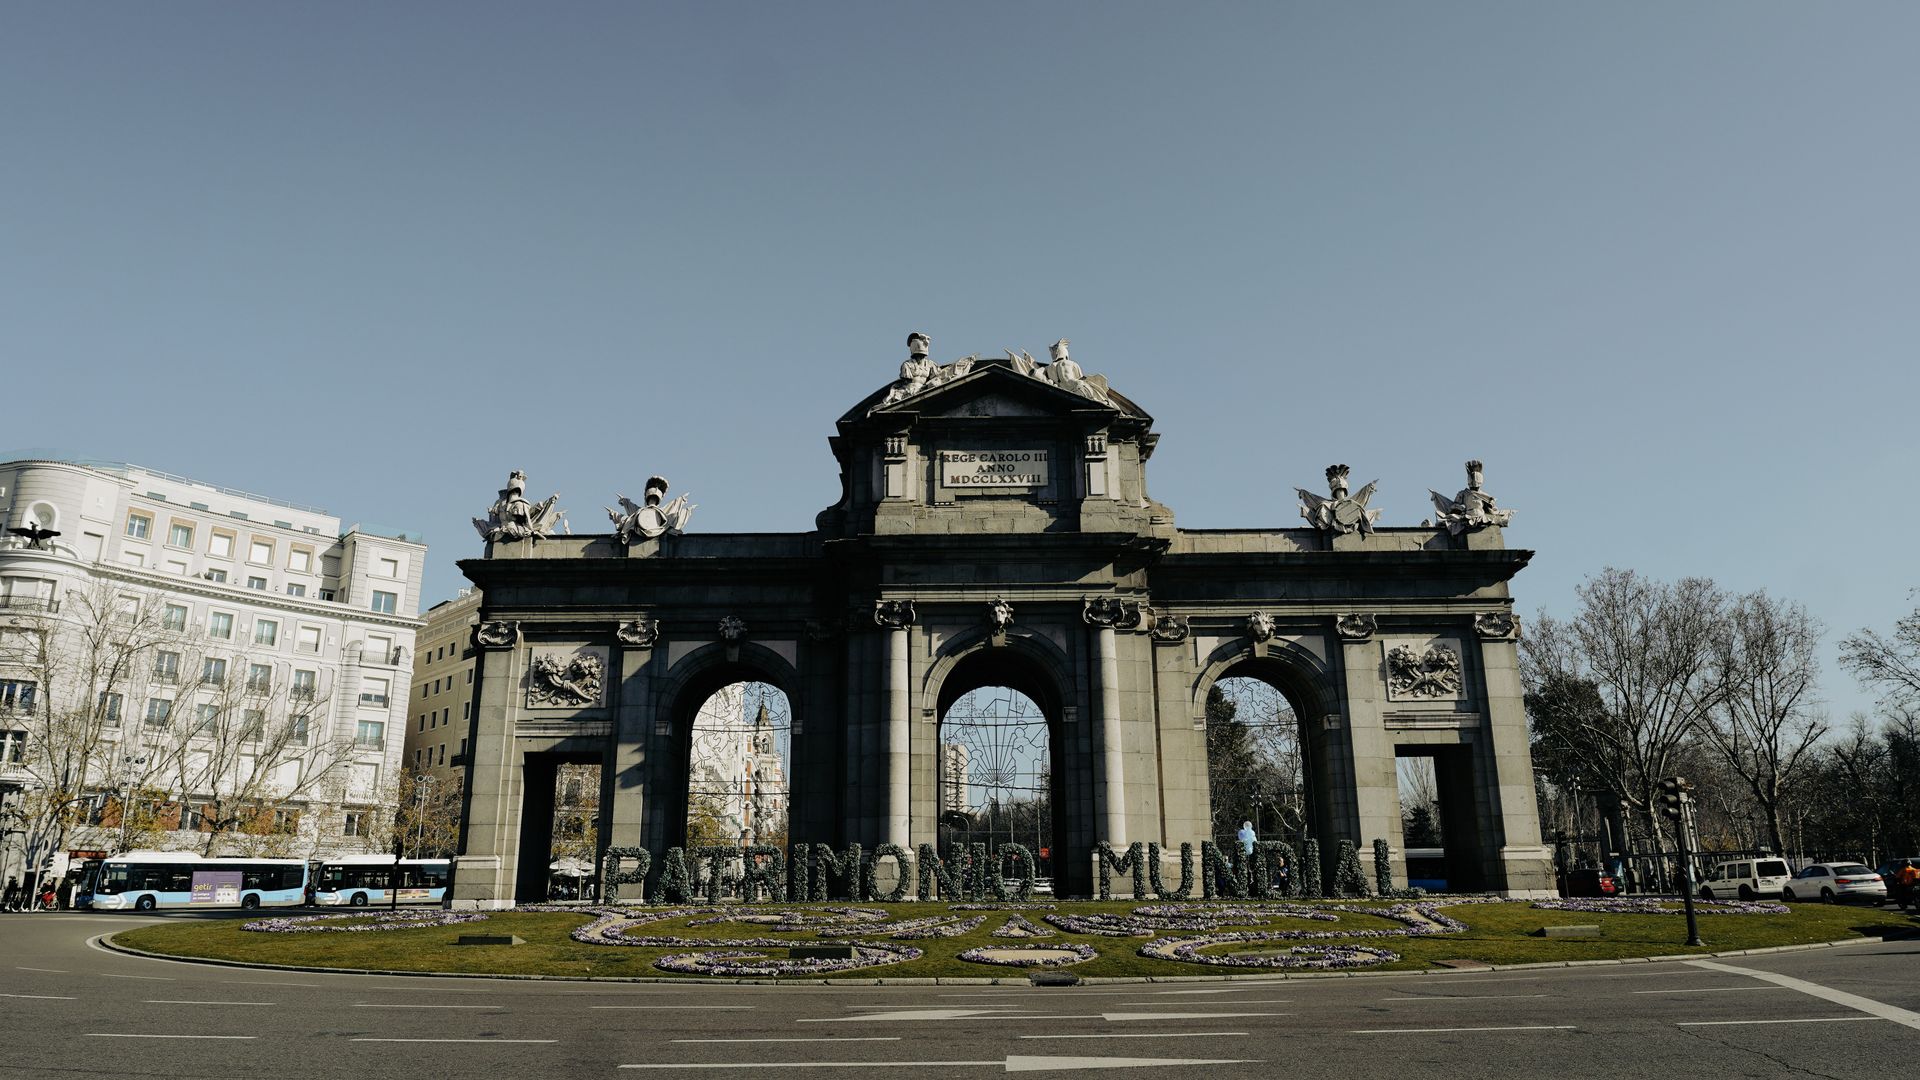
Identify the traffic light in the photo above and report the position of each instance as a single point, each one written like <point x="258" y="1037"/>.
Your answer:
<point x="1673" y="795"/>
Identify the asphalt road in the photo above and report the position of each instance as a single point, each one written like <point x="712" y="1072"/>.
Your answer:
<point x="68" y="1007"/>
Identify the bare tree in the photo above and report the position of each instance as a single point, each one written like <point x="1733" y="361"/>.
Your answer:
<point x="1637" y="675"/>
<point x="243" y="745"/>
<point x="1889" y="663"/>
<point x="427" y="814"/>
<point x="85" y="657"/>
<point x="1768" y="721"/>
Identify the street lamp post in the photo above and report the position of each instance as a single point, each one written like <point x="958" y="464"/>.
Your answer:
<point x="126" y="802"/>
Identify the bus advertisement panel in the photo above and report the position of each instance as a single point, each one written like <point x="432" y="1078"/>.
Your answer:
<point x="220" y="887"/>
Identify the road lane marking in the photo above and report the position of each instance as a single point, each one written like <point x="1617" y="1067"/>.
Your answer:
<point x="943" y="1014"/>
<point x="40" y="997"/>
<point x="1127" y="1018"/>
<point x="1881" y="1009"/>
<point x="120" y="1035"/>
<point x="414" y="986"/>
<point x="148" y="978"/>
<point x="50" y="971"/>
<point x="1442" y="1031"/>
<point x="1235" y="1003"/>
<point x="1466" y="997"/>
<point x="176" y="1001"/>
<point x="640" y="1007"/>
<point x="457" y="1040"/>
<point x="385" y="1005"/>
<point x="258" y="982"/>
<point x="1710" y="989"/>
<point x="815" y="1038"/>
<point x="1138" y="1035"/>
<point x="1012" y="1063"/>
<point x="1802" y="1020"/>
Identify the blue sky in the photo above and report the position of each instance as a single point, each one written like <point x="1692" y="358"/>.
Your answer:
<point x="1654" y="263"/>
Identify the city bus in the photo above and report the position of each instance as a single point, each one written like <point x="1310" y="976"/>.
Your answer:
<point x="359" y="880"/>
<point x="145" y="880"/>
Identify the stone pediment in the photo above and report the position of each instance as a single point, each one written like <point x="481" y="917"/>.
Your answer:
<point x="993" y="388"/>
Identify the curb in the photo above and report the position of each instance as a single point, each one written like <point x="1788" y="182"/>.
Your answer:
<point x="106" y="941"/>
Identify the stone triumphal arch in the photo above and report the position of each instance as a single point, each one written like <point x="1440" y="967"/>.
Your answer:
<point x="994" y="528"/>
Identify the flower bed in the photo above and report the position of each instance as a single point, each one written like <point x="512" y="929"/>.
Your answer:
<point x="746" y="963"/>
<point x="1301" y="957"/>
<point x="366" y="923"/>
<point x="1030" y="956"/>
<point x="1017" y="926"/>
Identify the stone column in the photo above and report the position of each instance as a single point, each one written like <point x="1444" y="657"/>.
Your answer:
<point x="484" y="871"/>
<point x="1110" y="795"/>
<point x="1522" y="866"/>
<point x="627" y="789"/>
<point x="896" y="616"/>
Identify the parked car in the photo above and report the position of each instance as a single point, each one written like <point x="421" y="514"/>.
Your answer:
<point x="1889" y="872"/>
<point x="1745" y="879"/>
<point x="1591" y="881"/>
<point x="1837" y="882"/>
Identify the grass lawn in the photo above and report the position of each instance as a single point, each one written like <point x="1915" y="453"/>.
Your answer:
<point x="1499" y="933"/>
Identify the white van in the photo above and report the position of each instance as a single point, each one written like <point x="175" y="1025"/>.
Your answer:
<point x="1745" y="879"/>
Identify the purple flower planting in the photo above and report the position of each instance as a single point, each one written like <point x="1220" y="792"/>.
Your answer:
<point x="1036" y="955"/>
<point x="371" y="921"/>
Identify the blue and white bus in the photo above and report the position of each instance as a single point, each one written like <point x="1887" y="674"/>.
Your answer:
<point x="359" y="880"/>
<point x="145" y="880"/>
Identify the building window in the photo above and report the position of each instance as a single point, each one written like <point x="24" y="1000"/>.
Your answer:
<point x="423" y="722"/>
<point x="379" y="650"/>
<point x="443" y="754"/>
<point x="205" y="718"/>
<point x="374" y="692"/>
<point x="259" y="583"/>
<point x="166" y="667"/>
<point x="386" y="603"/>
<point x="261" y="552"/>
<point x="329" y="595"/>
<point x="139" y="526"/>
<point x="266" y="632"/>
<point x="390" y="568"/>
<point x="466" y="710"/>
<point x="286" y="821"/>
<point x="297" y="730"/>
<point x="253" y="724"/>
<point x="159" y="712"/>
<point x="220" y="545"/>
<point x="110" y="705"/>
<point x="180" y="535"/>
<point x="469" y="676"/>
<point x="358" y="823"/>
<point x="217" y="576"/>
<point x="214" y="673"/>
<point x="13" y="747"/>
<point x="300" y="560"/>
<point x="296" y="589"/>
<point x="174" y="617"/>
<point x="308" y="640"/>
<point x="259" y="678"/>
<point x="370" y="735"/>
<point x="220" y="625"/>
<point x="303" y="685"/>
<point x="17" y="695"/>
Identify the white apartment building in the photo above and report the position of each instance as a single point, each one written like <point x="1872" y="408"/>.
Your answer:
<point x="440" y="701"/>
<point x="272" y="627"/>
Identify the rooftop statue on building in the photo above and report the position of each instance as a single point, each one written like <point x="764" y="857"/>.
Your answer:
<point x="1472" y="508"/>
<point x="645" y="522"/>
<point x="514" y="517"/>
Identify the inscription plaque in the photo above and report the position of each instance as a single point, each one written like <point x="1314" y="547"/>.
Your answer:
<point x="982" y="470"/>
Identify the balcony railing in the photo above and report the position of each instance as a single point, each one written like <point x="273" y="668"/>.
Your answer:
<point x="369" y="743"/>
<point x="374" y="699"/>
<point x="30" y="603"/>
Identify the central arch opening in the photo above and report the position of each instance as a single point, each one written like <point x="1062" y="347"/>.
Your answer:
<point x="1256" y="761"/>
<point x="998" y="769"/>
<point x="737" y="768"/>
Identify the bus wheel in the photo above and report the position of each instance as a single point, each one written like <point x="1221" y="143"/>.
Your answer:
<point x="359" y="899"/>
<point x="145" y="903"/>
<point x="250" y="901"/>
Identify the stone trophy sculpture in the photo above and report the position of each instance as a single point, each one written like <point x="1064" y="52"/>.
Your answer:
<point x="1472" y="508"/>
<point x="1340" y="512"/>
<point x="513" y="517"/>
<point x="633" y="523"/>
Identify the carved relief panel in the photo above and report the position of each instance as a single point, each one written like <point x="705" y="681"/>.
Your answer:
<point x="567" y="678"/>
<point x="1422" y="669"/>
